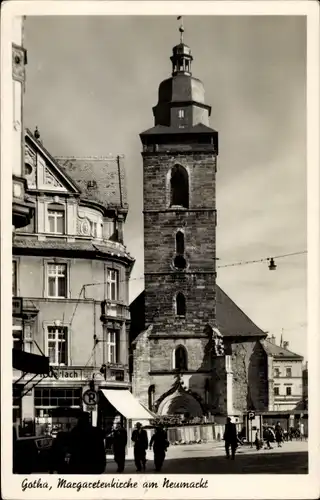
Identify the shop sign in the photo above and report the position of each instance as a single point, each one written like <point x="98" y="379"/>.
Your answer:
<point x="70" y="374"/>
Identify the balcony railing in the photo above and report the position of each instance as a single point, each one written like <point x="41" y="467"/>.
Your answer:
<point x="114" y="310"/>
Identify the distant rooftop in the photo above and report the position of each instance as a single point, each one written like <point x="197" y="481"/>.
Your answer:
<point x="279" y="352"/>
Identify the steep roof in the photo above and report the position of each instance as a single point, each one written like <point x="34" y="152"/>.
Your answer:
<point x="231" y="320"/>
<point x="100" y="179"/>
<point x="278" y="352"/>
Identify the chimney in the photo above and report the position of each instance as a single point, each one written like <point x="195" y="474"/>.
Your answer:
<point x="286" y="344"/>
<point x="272" y="339"/>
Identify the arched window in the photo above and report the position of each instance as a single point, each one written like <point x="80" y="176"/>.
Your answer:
<point x="179" y="260"/>
<point x="179" y="187"/>
<point x="181" y="358"/>
<point x="180" y="243"/>
<point x="151" y="391"/>
<point x="180" y="304"/>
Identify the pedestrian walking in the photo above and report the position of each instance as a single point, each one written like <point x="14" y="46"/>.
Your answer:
<point x="140" y="439"/>
<point x="279" y="434"/>
<point x="160" y="444"/>
<point x="231" y="439"/>
<point x="267" y="436"/>
<point x="119" y="444"/>
<point x="257" y="440"/>
<point x="87" y="450"/>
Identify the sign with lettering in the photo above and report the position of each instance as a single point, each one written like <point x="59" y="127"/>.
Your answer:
<point x="251" y="415"/>
<point x="71" y="374"/>
<point x="58" y="374"/>
<point x="90" y="407"/>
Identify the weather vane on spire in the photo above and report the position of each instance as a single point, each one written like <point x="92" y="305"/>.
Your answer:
<point x="181" y="28"/>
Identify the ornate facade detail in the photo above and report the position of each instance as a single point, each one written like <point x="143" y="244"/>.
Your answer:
<point x="85" y="227"/>
<point x="50" y="179"/>
<point x="18" y="63"/>
<point x="30" y="169"/>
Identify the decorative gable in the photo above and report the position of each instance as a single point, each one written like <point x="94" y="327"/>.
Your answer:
<point x="42" y="172"/>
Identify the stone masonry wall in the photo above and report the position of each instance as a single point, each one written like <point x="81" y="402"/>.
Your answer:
<point x="250" y="378"/>
<point x="141" y="368"/>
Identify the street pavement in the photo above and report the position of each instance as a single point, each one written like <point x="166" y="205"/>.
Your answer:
<point x="209" y="458"/>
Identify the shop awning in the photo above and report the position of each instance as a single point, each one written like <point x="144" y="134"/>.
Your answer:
<point x="127" y="404"/>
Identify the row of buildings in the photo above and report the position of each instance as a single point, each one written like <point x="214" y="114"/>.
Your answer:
<point x="182" y="347"/>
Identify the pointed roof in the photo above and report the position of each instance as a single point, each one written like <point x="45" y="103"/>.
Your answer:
<point x="278" y="352"/>
<point x="63" y="175"/>
<point x="231" y="320"/>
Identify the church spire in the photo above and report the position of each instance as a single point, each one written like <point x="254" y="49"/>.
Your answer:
<point x="181" y="58"/>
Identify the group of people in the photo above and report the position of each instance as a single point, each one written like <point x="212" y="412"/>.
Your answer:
<point x="159" y="442"/>
<point x="83" y="451"/>
<point x="269" y="434"/>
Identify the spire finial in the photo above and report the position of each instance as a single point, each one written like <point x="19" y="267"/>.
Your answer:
<point x="37" y="133"/>
<point x="181" y="28"/>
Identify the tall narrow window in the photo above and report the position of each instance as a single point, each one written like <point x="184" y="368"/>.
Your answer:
<point x="57" y="345"/>
<point x="179" y="260"/>
<point x="56" y="219"/>
<point x="276" y="391"/>
<point x="288" y="372"/>
<point x="57" y="280"/>
<point x="181" y="358"/>
<point x="179" y="187"/>
<point x="181" y="113"/>
<point x="288" y="391"/>
<point x="180" y="243"/>
<point x="14" y="278"/>
<point x="151" y="391"/>
<point x="180" y="304"/>
<point x="112" y="284"/>
<point x="112" y="350"/>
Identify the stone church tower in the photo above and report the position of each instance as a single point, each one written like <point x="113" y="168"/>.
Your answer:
<point x="179" y="170"/>
<point x="181" y="363"/>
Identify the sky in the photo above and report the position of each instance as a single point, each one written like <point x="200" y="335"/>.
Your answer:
<point x="91" y="85"/>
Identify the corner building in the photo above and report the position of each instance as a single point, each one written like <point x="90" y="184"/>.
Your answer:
<point x="177" y="367"/>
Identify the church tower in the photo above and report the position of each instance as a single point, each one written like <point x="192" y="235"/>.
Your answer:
<point x="179" y="189"/>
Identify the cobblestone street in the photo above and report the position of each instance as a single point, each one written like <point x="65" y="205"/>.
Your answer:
<point x="291" y="458"/>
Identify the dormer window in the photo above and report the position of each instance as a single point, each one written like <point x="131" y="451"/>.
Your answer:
<point x="56" y="219"/>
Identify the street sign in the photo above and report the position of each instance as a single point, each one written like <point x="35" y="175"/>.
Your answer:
<point x="90" y="398"/>
<point x="251" y="415"/>
<point x="90" y="407"/>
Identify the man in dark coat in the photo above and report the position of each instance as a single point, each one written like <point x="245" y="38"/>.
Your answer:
<point x="279" y="434"/>
<point x="230" y="437"/>
<point x="119" y="446"/>
<point x="160" y="444"/>
<point x="140" y="439"/>
<point x="87" y="450"/>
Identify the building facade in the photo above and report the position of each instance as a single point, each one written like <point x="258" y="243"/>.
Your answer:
<point x="285" y="374"/>
<point x="188" y="356"/>
<point x="71" y="270"/>
<point x="22" y="209"/>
